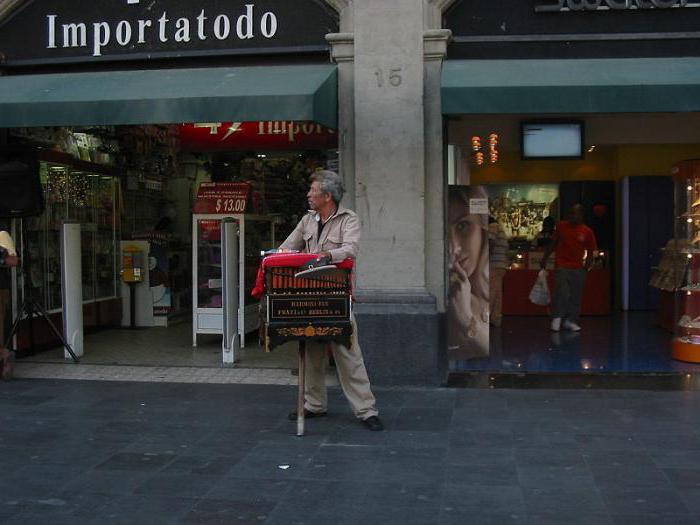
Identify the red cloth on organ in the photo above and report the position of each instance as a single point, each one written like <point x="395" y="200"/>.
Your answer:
<point x="289" y="260"/>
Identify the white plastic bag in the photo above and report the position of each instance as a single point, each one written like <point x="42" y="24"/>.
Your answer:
<point x="540" y="291"/>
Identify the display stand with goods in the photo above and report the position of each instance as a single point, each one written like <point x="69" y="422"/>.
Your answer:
<point x="207" y="307"/>
<point x="685" y="279"/>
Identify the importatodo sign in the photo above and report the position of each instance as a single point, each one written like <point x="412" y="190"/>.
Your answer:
<point x="222" y="198"/>
<point x="263" y="135"/>
<point x="120" y="29"/>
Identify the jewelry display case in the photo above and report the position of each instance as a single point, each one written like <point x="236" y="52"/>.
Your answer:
<point x="76" y="191"/>
<point x="685" y="277"/>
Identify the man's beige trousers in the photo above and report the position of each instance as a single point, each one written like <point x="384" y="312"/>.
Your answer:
<point x="351" y="373"/>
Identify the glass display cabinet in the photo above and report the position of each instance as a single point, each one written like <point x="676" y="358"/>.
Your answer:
<point x="258" y="234"/>
<point x="76" y="191"/>
<point x="686" y="276"/>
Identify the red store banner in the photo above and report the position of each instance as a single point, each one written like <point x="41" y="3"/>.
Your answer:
<point x="222" y="197"/>
<point x="263" y="135"/>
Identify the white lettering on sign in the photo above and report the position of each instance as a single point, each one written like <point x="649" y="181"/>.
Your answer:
<point x="213" y="126"/>
<point x="76" y="34"/>
<point x="183" y="30"/>
<point x="101" y="37"/>
<point x="230" y="205"/>
<point x="268" y="25"/>
<point x="143" y="24"/>
<point x="291" y="129"/>
<point x="558" y="6"/>
<point x="246" y="20"/>
<point x="162" y="25"/>
<point x="123" y="33"/>
<point x="233" y="128"/>
<point x="222" y="27"/>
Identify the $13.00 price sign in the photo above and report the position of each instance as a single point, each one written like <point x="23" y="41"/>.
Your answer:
<point x="222" y="197"/>
<point x="230" y="205"/>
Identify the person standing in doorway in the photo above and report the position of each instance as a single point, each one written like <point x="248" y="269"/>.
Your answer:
<point x="573" y="244"/>
<point x="332" y="231"/>
<point x="8" y="259"/>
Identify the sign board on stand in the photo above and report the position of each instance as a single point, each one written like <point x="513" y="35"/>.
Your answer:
<point x="222" y="197"/>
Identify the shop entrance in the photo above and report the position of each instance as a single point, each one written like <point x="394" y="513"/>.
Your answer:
<point x="150" y="200"/>
<point x="123" y="129"/>
<point x="516" y="177"/>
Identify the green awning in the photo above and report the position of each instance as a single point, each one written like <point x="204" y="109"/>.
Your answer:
<point x="299" y="93"/>
<point x="571" y="86"/>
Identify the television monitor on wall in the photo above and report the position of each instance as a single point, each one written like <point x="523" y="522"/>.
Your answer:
<point x="552" y="139"/>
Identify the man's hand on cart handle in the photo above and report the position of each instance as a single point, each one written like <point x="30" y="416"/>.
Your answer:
<point x="322" y="259"/>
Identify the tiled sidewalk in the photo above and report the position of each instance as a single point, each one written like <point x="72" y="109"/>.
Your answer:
<point x="101" y="452"/>
<point x="159" y="374"/>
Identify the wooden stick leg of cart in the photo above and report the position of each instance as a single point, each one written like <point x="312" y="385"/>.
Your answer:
<point x="302" y="384"/>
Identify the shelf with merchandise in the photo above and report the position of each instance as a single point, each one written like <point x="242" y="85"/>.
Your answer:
<point x="679" y="269"/>
<point x="73" y="191"/>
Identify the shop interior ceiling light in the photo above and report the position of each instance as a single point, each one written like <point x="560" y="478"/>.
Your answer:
<point x="493" y="147"/>
<point x="476" y="143"/>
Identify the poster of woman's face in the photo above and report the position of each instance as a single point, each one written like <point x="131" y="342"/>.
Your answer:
<point x="468" y="295"/>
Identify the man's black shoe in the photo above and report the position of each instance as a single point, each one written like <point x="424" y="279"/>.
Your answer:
<point x="307" y="415"/>
<point x="373" y="423"/>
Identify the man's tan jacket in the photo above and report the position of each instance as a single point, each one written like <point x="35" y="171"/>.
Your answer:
<point x="340" y="236"/>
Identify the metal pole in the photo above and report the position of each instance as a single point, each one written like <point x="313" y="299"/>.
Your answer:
<point x="229" y="290"/>
<point x="195" y="271"/>
<point x="72" y="287"/>
<point x="132" y="305"/>
<point x="302" y="386"/>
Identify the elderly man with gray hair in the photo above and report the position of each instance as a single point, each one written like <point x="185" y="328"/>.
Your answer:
<point x="332" y="232"/>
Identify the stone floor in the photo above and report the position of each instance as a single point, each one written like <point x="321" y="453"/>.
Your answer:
<point x="96" y="452"/>
<point x="160" y="374"/>
<point x="165" y="347"/>
<point x="622" y="343"/>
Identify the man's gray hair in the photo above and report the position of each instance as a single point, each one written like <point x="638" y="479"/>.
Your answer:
<point x="329" y="182"/>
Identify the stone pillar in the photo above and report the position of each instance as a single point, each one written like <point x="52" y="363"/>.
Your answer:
<point x="343" y="53"/>
<point x="398" y="319"/>
<point x="391" y="152"/>
<point x="435" y="49"/>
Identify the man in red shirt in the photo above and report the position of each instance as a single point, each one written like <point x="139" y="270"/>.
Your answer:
<point x="574" y="245"/>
